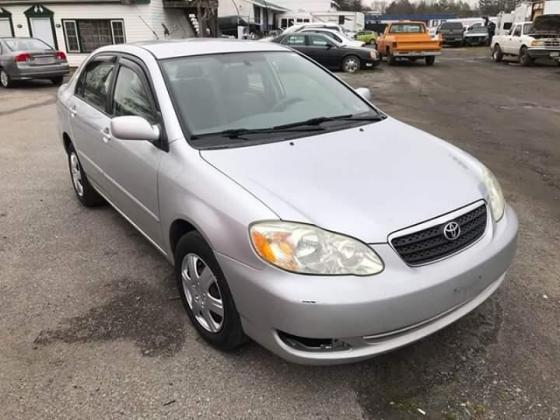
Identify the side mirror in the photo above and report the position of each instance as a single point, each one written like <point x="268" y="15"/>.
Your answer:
<point x="134" y="128"/>
<point x="364" y="93"/>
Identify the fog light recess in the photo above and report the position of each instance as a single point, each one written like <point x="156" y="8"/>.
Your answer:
<point x="313" y="344"/>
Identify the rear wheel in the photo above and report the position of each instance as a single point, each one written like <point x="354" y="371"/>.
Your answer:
<point x="205" y="293"/>
<point x="524" y="58"/>
<point x="5" y="79"/>
<point x="497" y="54"/>
<point x="351" y="64"/>
<point x="430" y="60"/>
<point x="57" y="81"/>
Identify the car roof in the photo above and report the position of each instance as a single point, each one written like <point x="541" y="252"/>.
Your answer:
<point x="399" y="22"/>
<point x="163" y="49"/>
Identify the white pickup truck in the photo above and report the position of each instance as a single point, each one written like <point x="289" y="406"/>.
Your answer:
<point x="528" y="41"/>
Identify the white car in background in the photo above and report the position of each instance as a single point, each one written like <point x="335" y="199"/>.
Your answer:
<point x="298" y="28"/>
<point x="337" y="36"/>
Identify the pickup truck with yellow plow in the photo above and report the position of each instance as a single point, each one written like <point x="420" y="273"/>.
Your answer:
<point x="408" y="40"/>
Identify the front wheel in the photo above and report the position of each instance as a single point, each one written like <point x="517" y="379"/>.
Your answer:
<point x="391" y="58"/>
<point x="524" y="58"/>
<point x="83" y="189"/>
<point x="5" y="79"/>
<point x="205" y="293"/>
<point x="430" y="60"/>
<point x="351" y="64"/>
<point x="497" y="54"/>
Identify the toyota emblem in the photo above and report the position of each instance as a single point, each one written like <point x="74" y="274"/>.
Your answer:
<point x="452" y="231"/>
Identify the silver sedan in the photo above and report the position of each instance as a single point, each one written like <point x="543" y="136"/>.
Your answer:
<point x="294" y="211"/>
<point x="30" y="58"/>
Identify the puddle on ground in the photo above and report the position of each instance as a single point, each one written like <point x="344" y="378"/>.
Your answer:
<point x="427" y="375"/>
<point x="151" y="318"/>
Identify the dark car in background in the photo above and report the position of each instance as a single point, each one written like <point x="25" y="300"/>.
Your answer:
<point x="30" y="58"/>
<point x="451" y="33"/>
<point x="329" y="53"/>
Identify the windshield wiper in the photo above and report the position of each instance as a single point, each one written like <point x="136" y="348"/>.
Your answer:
<point x="312" y="121"/>
<point x="321" y="120"/>
<point x="236" y="133"/>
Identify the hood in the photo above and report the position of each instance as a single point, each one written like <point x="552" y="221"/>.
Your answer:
<point x="365" y="182"/>
<point x="547" y="23"/>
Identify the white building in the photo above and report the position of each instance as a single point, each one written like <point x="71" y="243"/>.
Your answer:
<point x="260" y="15"/>
<point x="78" y="27"/>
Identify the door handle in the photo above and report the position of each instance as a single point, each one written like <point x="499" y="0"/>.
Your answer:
<point x="106" y="134"/>
<point x="73" y="111"/>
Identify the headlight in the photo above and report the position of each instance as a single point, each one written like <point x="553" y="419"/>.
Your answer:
<point x="495" y="195"/>
<point x="307" y="249"/>
<point x="537" y="43"/>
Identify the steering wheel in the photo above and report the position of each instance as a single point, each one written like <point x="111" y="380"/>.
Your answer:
<point x="284" y="103"/>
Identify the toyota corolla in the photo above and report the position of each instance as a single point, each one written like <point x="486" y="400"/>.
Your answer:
<point x="294" y="211"/>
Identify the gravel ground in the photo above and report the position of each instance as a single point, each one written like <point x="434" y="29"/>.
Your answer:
<point x="91" y="325"/>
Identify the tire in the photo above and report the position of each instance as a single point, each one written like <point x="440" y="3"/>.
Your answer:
<point x="497" y="54"/>
<point x="5" y="79"/>
<point x="430" y="60"/>
<point x="351" y="64"/>
<point x="202" y="295"/>
<point x="57" y="81"/>
<point x="391" y="58"/>
<point x="524" y="59"/>
<point x="85" y="193"/>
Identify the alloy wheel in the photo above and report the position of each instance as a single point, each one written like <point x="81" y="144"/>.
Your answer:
<point x="351" y="65"/>
<point x="203" y="293"/>
<point x="4" y="79"/>
<point x="76" y="174"/>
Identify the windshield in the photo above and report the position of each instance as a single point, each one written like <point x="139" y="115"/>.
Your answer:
<point x="255" y="91"/>
<point x="452" y="25"/>
<point x="407" y="28"/>
<point x="478" y="30"/>
<point x="23" y="44"/>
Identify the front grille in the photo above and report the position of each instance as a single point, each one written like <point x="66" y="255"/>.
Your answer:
<point x="431" y="244"/>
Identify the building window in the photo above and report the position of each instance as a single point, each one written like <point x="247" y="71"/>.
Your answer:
<point x="86" y="35"/>
<point x="117" y="27"/>
<point x="71" y="36"/>
<point x="257" y="11"/>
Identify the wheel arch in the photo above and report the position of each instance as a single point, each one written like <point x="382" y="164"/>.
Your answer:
<point x="177" y="230"/>
<point x="67" y="142"/>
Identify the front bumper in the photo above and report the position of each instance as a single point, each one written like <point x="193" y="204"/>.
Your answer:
<point x="452" y="39"/>
<point x="26" y="72"/>
<point x="543" y="52"/>
<point x="370" y="315"/>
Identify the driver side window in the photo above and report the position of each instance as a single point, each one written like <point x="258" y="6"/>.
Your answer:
<point x="318" y="41"/>
<point x="517" y="31"/>
<point x="131" y="96"/>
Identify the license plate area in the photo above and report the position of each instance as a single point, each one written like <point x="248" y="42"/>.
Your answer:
<point x="41" y="61"/>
